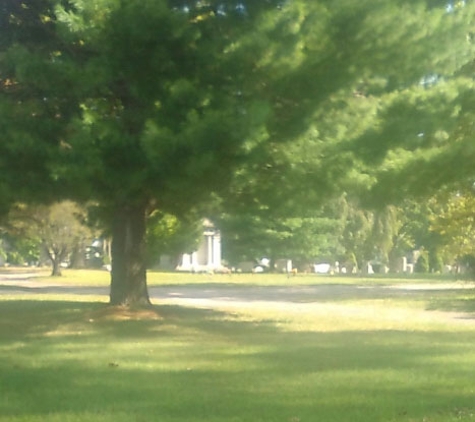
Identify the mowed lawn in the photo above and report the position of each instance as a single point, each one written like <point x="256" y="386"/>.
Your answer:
<point x="376" y="349"/>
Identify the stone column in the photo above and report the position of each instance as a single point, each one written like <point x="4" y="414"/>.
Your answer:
<point x="217" y="250"/>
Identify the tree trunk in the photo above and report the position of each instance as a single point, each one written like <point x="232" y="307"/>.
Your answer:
<point x="128" y="275"/>
<point x="56" y="264"/>
<point x="56" y="258"/>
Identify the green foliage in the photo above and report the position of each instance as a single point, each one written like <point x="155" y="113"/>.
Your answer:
<point x="3" y="253"/>
<point x="436" y="262"/>
<point x="55" y="230"/>
<point x="167" y="235"/>
<point x="469" y="262"/>
<point x="453" y="222"/>
<point x="356" y="233"/>
<point x="209" y="87"/>
<point x="163" y="120"/>
<point x="25" y="249"/>
<point x="248" y="237"/>
<point x="15" y="258"/>
<point x="422" y="263"/>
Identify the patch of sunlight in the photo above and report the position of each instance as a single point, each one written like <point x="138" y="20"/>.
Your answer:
<point x="65" y="331"/>
<point x="13" y="347"/>
<point x="48" y="297"/>
<point x="72" y="416"/>
<point x="462" y="359"/>
<point x="332" y="317"/>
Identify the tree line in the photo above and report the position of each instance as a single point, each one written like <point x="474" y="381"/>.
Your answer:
<point x="436" y="235"/>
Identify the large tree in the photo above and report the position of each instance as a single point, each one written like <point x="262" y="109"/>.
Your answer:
<point x="158" y="104"/>
<point x="139" y="105"/>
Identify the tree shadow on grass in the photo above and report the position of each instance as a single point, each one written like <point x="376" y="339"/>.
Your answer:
<point x="84" y="362"/>
<point x="301" y="293"/>
<point x="24" y="318"/>
<point x="53" y="289"/>
<point x="464" y="305"/>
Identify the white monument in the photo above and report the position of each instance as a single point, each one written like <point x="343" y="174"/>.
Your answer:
<point x="208" y="256"/>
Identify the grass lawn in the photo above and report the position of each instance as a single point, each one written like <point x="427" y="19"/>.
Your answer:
<point x="402" y="356"/>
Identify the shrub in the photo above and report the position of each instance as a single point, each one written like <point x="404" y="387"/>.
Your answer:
<point x="15" y="258"/>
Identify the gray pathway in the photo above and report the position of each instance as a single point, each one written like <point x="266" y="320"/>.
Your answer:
<point x="27" y="283"/>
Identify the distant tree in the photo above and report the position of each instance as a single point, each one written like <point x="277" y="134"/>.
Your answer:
<point x="168" y="235"/>
<point x="374" y="234"/>
<point x="21" y="250"/>
<point x="417" y="233"/>
<point x="57" y="229"/>
<point x="454" y="222"/>
<point x="355" y="236"/>
<point x="296" y="233"/>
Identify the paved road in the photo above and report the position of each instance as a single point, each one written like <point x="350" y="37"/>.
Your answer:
<point x="209" y="294"/>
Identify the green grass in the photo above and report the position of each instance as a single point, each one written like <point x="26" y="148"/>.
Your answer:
<point x="364" y="356"/>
